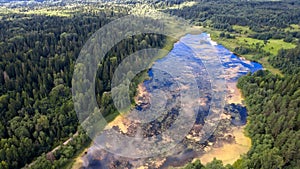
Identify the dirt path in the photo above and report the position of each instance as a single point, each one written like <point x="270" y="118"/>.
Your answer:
<point x="55" y="149"/>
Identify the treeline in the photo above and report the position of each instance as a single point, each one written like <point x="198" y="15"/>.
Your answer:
<point x="64" y="156"/>
<point x="266" y="18"/>
<point x="287" y="60"/>
<point x="215" y="164"/>
<point x="253" y="49"/>
<point x="274" y="120"/>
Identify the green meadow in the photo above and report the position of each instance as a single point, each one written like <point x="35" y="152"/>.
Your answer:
<point x="241" y="39"/>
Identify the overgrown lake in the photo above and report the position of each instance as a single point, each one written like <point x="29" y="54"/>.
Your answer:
<point x="183" y="62"/>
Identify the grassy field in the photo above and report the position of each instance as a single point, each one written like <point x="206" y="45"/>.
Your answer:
<point x="61" y="13"/>
<point x="42" y="11"/>
<point x="293" y="27"/>
<point x="4" y="10"/>
<point x="242" y="29"/>
<point x="241" y="32"/>
<point x="272" y="46"/>
<point x="228" y="43"/>
<point x="275" y="45"/>
<point x="67" y="11"/>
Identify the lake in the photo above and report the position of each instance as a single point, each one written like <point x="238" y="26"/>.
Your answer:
<point x="184" y="68"/>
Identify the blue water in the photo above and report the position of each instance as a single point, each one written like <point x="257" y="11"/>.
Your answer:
<point x="180" y="54"/>
<point x="234" y="60"/>
<point x="185" y="57"/>
<point x="186" y="51"/>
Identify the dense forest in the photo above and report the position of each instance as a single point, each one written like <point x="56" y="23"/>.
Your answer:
<point x="37" y="58"/>
<point x="274" y="105"/>
<point x="261" y="16"/>
<point x="38" y="54"/>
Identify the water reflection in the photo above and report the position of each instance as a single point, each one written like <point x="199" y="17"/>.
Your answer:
<point x="184" y="54"/>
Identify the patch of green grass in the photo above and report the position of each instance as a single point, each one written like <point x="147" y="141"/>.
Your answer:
<point x="272" y="45"/>
<point x="275" y="45"/>
<point x="248" y="41"/>
<point x="242" y="29"/>
<point x="61" y="13"/>
<point x="293" y="27"/>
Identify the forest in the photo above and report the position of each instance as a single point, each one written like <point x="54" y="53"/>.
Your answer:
<point x="37" y="58"/>
<point x="274" y="106"/>
<point x="38" y="53"/>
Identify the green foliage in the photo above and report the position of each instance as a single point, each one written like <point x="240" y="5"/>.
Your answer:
<point x="36" y="67"/>
<point x="226" y="35"/>
<point x="260" y="16"/>
<point x="288" y="60"/>
<point x="273" y="104"/>
<point x="215" y="164"/>
<point x="195" y="165"/>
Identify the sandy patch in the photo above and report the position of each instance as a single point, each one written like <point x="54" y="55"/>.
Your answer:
<point x="142" y="94"/>
<point x="229" y="153"/>
<point x="142" y="167"/>
<point x="234" y="95"/>
<point x="119" y="121"/>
